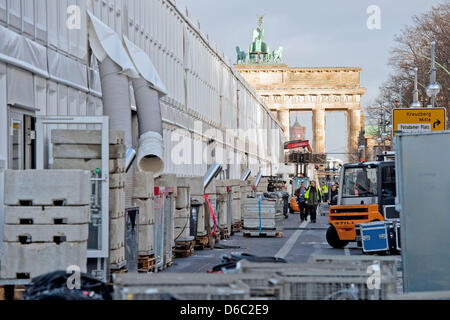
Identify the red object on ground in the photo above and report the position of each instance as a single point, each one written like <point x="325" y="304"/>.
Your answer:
<point x="213" y="214"/>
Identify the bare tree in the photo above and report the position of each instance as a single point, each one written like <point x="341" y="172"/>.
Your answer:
<point x="413" y="49"/>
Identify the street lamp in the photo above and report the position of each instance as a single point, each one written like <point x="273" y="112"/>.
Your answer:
<point x="416" y="103"/>
<point x="434" y="88"/>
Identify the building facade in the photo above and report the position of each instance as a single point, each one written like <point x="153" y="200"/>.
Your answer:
<point x="47" y="69"/>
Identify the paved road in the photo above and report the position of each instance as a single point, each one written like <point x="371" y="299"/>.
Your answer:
<point x="297" y="244"/>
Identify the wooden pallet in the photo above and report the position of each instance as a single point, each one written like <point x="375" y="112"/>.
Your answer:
<point x="217" y="237"/>
<point x="13" y="292"/>
<point x="224" y="234"/>
<point x="237" y="227"/>
<point x="263" y="233"/>
<point x="116" y="271"/>
<point x="146" y="264"/>
<point x="184" y="249"/>
<point x="201" y="242"/>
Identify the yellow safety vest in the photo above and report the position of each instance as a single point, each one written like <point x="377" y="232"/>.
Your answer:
<point x="317" y="192"/>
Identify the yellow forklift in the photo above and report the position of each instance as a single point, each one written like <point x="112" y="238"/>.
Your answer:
<point x="367" y="193"/>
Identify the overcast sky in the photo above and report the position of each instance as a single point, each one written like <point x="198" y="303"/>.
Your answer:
<point x="314" y="33"/>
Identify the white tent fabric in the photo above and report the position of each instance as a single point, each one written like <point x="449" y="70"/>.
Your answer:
<point x="145" y="66"/>
<point x="66" y="70"/>
<point x="22" y="52"/>
<point x="105" y="42"/>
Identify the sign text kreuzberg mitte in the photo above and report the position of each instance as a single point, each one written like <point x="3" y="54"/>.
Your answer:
<point x="421" y="120"/>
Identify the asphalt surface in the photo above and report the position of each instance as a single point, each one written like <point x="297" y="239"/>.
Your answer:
<point x="298" y="243"/>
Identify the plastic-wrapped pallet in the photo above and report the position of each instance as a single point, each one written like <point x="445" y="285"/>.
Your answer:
<point x="46" y="222"/>
<point x="263" y="217"/>
<point x="143" y="198"/>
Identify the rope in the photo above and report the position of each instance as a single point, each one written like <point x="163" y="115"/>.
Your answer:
<point x="259" y="211"/>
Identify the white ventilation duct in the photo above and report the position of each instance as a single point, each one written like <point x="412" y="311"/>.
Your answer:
<point x="115" y="67"/>
<point x="147" y="91"/>
<point x="115" y="70"/>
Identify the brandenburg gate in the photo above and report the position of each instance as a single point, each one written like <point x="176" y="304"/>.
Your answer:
<point x="319" y="90"/>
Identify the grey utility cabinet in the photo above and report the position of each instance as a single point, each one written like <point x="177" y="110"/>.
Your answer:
<point x="423" y="199"/>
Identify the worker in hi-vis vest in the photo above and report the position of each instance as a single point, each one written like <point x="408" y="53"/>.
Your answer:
<point x="325" y="191"/>
<point x="313" y="199"/>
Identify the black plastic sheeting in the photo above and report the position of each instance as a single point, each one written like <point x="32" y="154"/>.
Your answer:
<point x="229" y="262"/>
<point x="53" y="286"/>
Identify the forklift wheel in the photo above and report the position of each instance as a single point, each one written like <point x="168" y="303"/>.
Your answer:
<point x="333" y="239"/>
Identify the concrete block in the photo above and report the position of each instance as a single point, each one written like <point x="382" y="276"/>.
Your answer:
<point x="181" y="222"/>
<point x="183" y="198"/>
<point x="166" y="180"/>
<point x="236" y="210"/>
<point x="235" y="189"/>
<point x="143" y="185"/>
<point x="67" y="136"/>
<point x="41" y="258"/>
<point x="86" y="151"/>
<point x="221" y="190"/>
<point x="117" y="255"/>
<point x="266" y="213"/>
<point x="146" y="238"/>
<point x="236" y="195"/>
<point x="211" y="188"/>
<point x="182" y="213"/>
<point x="183" y="182"/>
<point x="200" y="198"/>
<point x="47" y="215"/>
<point x="117" y="180"/>
<point x="116" y="233"/>
<point x="44" y="187"/>
<point x="116" y="203"/>
<point x="222" y="183"/>
<point x="115" y="165"/>
<point x="201" y="226"/>
<point x="196" y="186"/>
<point x="181" y="233"/>
<point x="265" y="223"/>
<point x="146" y="210"/>
<point x="235" y="182"/>
<point x="46" y="233"/>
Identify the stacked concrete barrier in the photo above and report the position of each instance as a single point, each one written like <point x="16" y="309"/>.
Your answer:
<point x="143" y="198"/>
<point x="223" y="194"/>
<point x="198" y="194"/>
<point x="46" y="222"/>
<point x="236" y="209"/>
<point x="184" y="241"/>
<point x="81" y="149"/>
<point x="263" y="185"/>
<point x="246" y="189"/>
<point x="263" y="217"/>
<point x="213" y="198"/>
<point x="167" y="184"/>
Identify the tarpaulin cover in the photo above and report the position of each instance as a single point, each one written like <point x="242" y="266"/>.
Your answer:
<point x="22" y="52"/>
<point x="105" y="42"/>
<point x="144" y="66"/>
